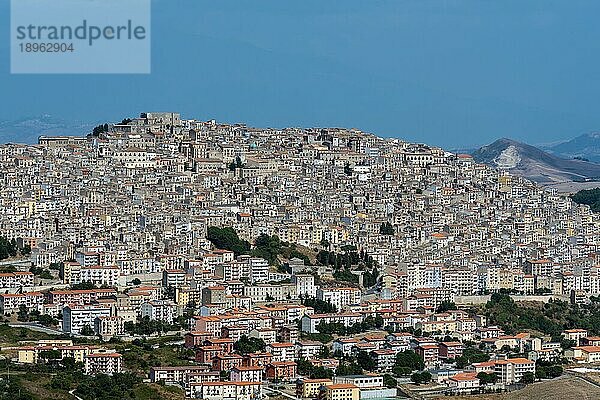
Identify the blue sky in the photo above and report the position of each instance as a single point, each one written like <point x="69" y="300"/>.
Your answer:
<point x="450" y="73"/>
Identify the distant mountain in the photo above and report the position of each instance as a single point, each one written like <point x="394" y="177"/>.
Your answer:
<point x="585" y="146"/>
<point x="535" y="164"/>
<point x="27" y="130"/>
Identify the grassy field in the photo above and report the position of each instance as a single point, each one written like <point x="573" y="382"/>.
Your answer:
<point x="151" y="391"/>
<point x="33" y="386"/>
<point x="564" y="388"/>
<point x="37" y="387"/>
<point x="139" y="360"/>
<point x="12" y="336"/>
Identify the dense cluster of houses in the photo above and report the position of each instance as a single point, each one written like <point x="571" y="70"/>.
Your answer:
<point x="127" y="213"/>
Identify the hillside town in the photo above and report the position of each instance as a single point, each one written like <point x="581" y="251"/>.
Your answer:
<point x="320" y="263"/>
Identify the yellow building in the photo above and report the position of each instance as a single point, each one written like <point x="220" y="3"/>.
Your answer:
<point x="27" y="355"/>
<point x="342" y="391"/>
<point x="183" y="296"/>
<point x="309" y="388"/>
<point x="32" y="354"/>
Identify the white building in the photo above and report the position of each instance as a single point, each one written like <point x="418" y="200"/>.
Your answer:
<point x="107" y="363"/>
<point x="339" y="297"/>
<point x="511" y="370"/>
<point x="98" y="275"/>
<point x="246" y="374"/>
<point x="305" y="285"/>
<point x="12" y="302"/>
<point x="225" y="390"/>
<point x="259" y="270"/>
<point x="75" y="317"/>
<point x="160" y="310"/>
<point x="310" y="322"/>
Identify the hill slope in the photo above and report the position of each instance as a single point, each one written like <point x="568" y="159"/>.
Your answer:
<point x="535" y="164"/>
<point x="27" y="130"/>
<point x="586" y="146"/>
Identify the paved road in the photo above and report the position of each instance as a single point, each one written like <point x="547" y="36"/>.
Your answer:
<point x="72" y="393"/>
<point x="36" y="327"/>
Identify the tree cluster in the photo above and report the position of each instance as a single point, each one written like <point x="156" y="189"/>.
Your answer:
<point x="9" y="248"/>
<point x="421" y="377"/>
<point x="527" y="378"/>
<point x="104" y="387"/>
<point x="340" y="329"/>
<point x="550" y="318"/>
<point x="487" y="379"/>
<point x="147" y="326"/>
<point x="40" y="272"/>
<point x="25" y="315"/>
<point x="547" y="370"/>
<point x="348" y="368"/>
<point x="349" y="258"/>
<point x="471" y="355"/>
<point x="87" y="285"/>
<point x="389" y="381"/>
<point x="227" y="239"/>
<point x="236" y="164"/>
<point x="249" y="345"/>
<point x="407" y="361"/>
<point x="386" y="228"/>
<point x="344" y="263"/>
<point x="307" y="368"/>
<point x="320" y="306"/>
<point x="446" y="306"/>
<point x="591" y="197"/>
<point x="318" y="337"/>
<point x="102" y="128"/>
<point x="267" y="247"/>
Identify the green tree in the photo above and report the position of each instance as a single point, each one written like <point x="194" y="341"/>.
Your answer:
<point x="527" y="378"/>
<point x="386" y="228"/>
<point x="104" y="387"/>
<point x="348" y="368"/>
<point x="84" y="286"/>
<point x="267" y="247"/>
<point x="249" y="345"/>
<point x="347" y="169"/>
<point x="8" y="248"/>
<point x="99" y="129"/>
<point x="471" y="355"/>
<point x="320" y="306"/>
<point x="540" y="373"/>
<point x="420" y="377"/>
<point x="51" y="354"/>
<point x="487" y="379"/>
<point x="389" y="381"/>
<point x="62" y="381"/>
<point x="227" y="239"/>
<point x="446" y="306"/>
<point x="23" y="313"/>
<point x="365" y="361"/>
<point x="86" y="330"/>
<point x="591" y="197"/>
<point x="409" y="359"/>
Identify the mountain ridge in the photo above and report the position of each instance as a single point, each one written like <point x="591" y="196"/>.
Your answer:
<point x="535" y="164"/>
<point x="585" y="146"/>
<point x="27" y="130"/>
